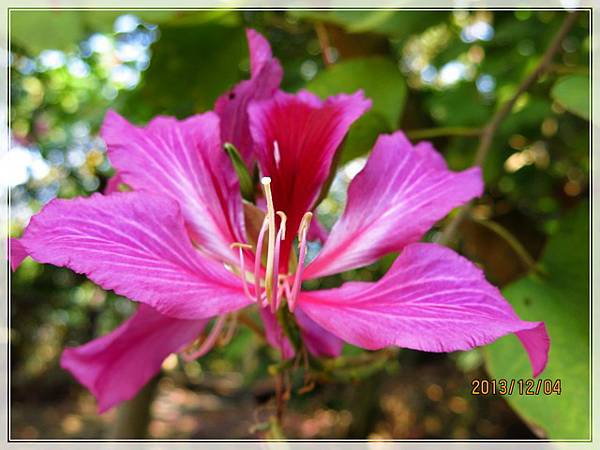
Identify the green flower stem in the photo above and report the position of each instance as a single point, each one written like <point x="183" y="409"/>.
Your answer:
<point x="513" y="242"/>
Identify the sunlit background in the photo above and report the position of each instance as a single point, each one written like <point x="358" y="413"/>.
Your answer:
<point x="437" y="75"/>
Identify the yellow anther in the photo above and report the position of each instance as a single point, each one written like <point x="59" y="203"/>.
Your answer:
<point x="240" y="245"/>
<point x="283" y="218"/>
<point x="242" y="268"/>
<point x="304" y="225"/>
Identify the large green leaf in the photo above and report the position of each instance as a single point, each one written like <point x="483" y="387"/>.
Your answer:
<point x="362" y="136"/>
<point x="573" y="93"/>
<point x="63" y="30"/>
<point x="383" y="84"/>
<point x="397" y="24"/>
<point x="188" y="70"/>
<point x="561" y="299"/>
<point x="39" y="30"/>
<point x="380" y="78"/>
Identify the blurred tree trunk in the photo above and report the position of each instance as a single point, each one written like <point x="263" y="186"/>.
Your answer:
<point x="133" y="416"/>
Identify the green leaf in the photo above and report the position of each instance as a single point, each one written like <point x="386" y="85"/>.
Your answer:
<point x="362" y="136"/>
<point x="246" y="185"/>
<point x="397" y="24"/>
<point x="573" y="93"/>
<point x="383" y="84"/>
<point x="380" y="79"/>
<point x="188" y="71"/>
<point x="103" y="21"/>
<point x="63" y="30"/>
<point x="561" y="300"/>
<point x="39" y="30"/>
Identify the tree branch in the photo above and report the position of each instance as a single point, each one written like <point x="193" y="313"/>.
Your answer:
<point x="513" y="242"/>
<point x="428" y="133"/>
<point x="323" y="38"/>
<point x="491" y="127"/>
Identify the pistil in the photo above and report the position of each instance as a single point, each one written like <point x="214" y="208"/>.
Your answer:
<point x="266" y="182"/>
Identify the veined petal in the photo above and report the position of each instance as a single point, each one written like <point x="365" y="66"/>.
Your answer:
<point x="17" y="253"/>
<point x="318" y="341"/>
<point x="295" y="139"/>
<point x="274" y="333"/>
<point x="184" y="161"/>
<point x="266" y="75"/>
<point x="401" y="192"/>
<point x="116" y="366"/>
<point x="431" y="299"/>
<point x="137" y="245"/>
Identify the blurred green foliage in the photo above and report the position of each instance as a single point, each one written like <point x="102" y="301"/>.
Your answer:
<point x="423" y="70"/>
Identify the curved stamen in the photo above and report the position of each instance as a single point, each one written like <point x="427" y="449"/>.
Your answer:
<point x="258" y="259"/>
<point x="231" y="329"/>
<point x="302" y="232"/>
<point x="266" y="182"/>
<point x="208" y="343"/>
<point x="280" y="237"/>
<point x="241" y="248"/>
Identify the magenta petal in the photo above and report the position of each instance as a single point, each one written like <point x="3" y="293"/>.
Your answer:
<point x="431" y="299"/>
<point x="183" y="161"/>
<point x="537" y="343"/>
<point x="401" y="192"/>
<point x="17" y="253"/>
<point x="266" y="74"/>
<point x="274" y="334"/>
<point x="113" y="184"/>
<point x="318" y="341"/>
<point x="296" y="137"/>
<point x="116" y="366"/>
<point x="260" y="53"/>
<point x="137" y="245"/>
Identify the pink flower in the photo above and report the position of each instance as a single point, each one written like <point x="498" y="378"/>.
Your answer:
<point x="178" y="243"/>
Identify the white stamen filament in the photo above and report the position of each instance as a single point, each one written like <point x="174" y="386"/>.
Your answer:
<point x="208" y="343"/>
<point x="231" y="329"/>
<point x="280" y="237"/>
<point x="241" y="248"/>
<point x="302" y="232"/>
<point x="258" y="258"/>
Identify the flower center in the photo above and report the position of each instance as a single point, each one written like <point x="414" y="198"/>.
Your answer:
<point x="275" y="285"/>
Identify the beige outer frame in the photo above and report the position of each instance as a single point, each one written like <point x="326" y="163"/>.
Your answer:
<point x="7" y="5"/>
